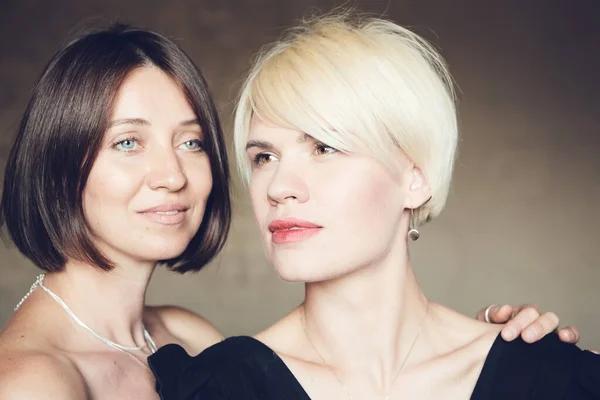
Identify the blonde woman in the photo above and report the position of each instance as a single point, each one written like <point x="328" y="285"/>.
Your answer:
<point x="346" y="132"/>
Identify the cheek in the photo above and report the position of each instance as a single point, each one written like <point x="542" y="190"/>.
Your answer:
<point x="109" y="184"/>
<point x="259" y="200"/>
<point x="108" y="196"/>
<point x="367" y="197"/>
<point x="199" y="175"/>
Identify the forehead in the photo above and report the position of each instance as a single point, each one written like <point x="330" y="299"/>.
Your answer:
<point x="149" y="91"/>
<point x="261" y="128"/>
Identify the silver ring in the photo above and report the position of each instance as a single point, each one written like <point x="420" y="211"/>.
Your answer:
<point x="487" y="313"/>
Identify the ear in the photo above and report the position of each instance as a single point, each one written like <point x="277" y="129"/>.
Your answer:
<point x="419" y="191"/>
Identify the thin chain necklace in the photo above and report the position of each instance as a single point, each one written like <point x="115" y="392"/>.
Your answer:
<point x="341" y="382"/>
<point x="149" y="342"/>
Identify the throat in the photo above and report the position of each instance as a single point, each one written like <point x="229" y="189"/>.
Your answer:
<point x="134" y="337"/>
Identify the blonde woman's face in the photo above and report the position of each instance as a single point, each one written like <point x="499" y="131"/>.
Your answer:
<point x="322" y="213"/>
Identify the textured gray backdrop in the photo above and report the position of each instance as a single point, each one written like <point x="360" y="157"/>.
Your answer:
<point x="522" y="223"/>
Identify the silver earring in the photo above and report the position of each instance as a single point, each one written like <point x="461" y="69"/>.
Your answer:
<point x="413" y="233"/>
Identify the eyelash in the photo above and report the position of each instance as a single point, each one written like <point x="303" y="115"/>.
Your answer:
<point x="256" y="160"/>
<point x="199" y="142"/>
<point x="324" y="146"/>
<point x="127" y="139"/>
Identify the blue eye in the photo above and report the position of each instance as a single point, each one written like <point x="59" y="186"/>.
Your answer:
<point x="193" y="145"/>
<point x="126" y="144"/>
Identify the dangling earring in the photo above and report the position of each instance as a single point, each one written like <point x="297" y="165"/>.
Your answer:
<point x="413" y="233"/>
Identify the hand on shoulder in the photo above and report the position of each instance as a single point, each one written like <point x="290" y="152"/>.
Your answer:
<point x="34" y="376"/>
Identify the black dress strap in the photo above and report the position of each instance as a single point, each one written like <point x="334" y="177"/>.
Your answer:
<point x="166" y="365"/>
<point x="546" y="370"/>
<point x="250" y="370"/>
<point x="237" y="368"/>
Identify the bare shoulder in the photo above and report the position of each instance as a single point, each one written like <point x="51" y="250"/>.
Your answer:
<point x="31" y="369"/>
<point x="193" y="330"/>
<point x="286" y="336"/>
<point x="33" y="375"/>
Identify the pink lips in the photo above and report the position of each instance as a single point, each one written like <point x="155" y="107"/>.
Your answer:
<point x="291" y="230"/>
<point x="166" y="214"/>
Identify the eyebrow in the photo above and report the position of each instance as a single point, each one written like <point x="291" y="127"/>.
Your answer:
<point x="261" y="144"/>
<point x="264" y="145"/>
<point x="143" y="122"/>
<point x="305" y="137"/>
<point x="193" y="121"/>
<point x="132" y="121"/>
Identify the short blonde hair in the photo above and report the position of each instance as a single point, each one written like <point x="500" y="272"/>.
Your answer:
<point x="357" y="83"/>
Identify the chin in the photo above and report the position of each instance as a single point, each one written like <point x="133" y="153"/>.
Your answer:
<point x="164" y="250"/>
<point x="302" y="272"/>
<point x="157" y="256"/>
<point x="290" y="276"/>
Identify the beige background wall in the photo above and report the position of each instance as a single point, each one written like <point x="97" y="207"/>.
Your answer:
<point x="522" y="223"/>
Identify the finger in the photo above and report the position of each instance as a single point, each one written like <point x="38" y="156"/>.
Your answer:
<point x="515" y="326"/>
<point x="480" y="316"/>
<point x="500" y="314"/>
<point x="569" y="334"/>
<point x="497" y="314"/>
<point x="542" y="326"/>
<point x="522" y="307"/>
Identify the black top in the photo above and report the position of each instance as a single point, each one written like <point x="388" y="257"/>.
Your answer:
<point x="242" y="368"/>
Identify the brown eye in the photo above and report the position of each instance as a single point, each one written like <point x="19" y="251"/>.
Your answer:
<point x="322" y="149"/>
<point x="262" y="158"/>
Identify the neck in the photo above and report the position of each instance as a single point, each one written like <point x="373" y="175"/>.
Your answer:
<point x="110" y="303"/>
<point x="367" y="321"/>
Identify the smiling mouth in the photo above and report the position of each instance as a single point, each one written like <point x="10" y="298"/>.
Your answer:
<point x="172" y="217"/>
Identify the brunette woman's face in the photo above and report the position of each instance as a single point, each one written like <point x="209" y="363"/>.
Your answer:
<point x="147" y="191"/>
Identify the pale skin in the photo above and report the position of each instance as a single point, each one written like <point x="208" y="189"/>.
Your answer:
<point x="43" y="353"/>
<point x="147" y="158"/>
<point x="363" y="306"/>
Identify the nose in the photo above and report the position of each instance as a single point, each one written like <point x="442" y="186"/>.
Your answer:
<point x="287" y="184"/>
<point x="166" y="171"/>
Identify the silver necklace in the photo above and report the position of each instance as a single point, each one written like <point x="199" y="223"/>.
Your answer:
<point x="149" y="342"/>
<point x="337" y="377"/>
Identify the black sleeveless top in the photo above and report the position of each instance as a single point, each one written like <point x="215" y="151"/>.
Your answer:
<point x="242" y="368"/>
